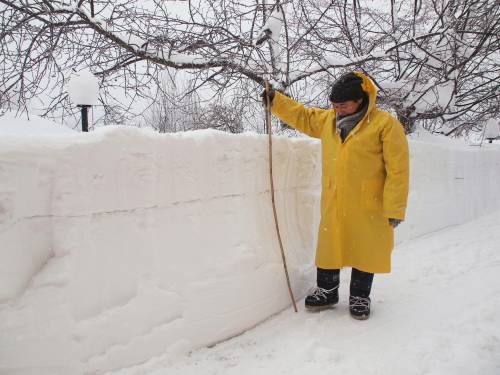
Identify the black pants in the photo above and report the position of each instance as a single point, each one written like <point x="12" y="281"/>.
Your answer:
<point x="361" y="282"/>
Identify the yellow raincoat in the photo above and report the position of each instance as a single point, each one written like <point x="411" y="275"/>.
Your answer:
<point x="364" y="182"/>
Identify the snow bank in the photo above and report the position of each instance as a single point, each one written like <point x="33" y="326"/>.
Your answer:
<point x="10" y="124"/>
<point x="122" y="245"/>
<point x="450" y="183"/>
<point x="433" y="315"/>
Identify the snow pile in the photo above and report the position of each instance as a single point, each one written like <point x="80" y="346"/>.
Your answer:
<point x="36" y="126"/>
<point x="450" y="183"/>
<point x="436" y="314"/>
<point x="123" y="245"/>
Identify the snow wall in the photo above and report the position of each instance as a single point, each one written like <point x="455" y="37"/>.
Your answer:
<point x="122" y="245"/>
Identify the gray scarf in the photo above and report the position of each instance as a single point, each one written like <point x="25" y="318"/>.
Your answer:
<point x="346" y="123"/>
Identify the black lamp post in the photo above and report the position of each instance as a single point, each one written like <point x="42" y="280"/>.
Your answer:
<point x="85" y="116"/>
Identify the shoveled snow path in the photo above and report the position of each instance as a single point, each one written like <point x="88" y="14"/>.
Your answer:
<point x="436" y="313"/>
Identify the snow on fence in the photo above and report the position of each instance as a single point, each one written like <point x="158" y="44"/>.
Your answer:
<point x="123" y="245"/>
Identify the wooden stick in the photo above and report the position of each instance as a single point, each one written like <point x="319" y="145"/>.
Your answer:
<point x="269" y="132"/>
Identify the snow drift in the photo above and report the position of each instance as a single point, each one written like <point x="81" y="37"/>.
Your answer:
<point x="121" y="245"/>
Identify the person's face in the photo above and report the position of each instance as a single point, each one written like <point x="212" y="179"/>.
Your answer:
<point x="347" y="108"/>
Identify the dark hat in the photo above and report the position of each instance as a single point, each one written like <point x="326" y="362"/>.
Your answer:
<point x="347" y="87"/>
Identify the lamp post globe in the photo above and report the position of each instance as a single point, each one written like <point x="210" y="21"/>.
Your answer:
<point x="83" y="90"/>
<point x="492" y="130"/>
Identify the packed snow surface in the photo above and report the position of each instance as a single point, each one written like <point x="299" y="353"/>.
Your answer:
<point x="123" y="250"/>
<point x="436" y="314"/>
<point x="121" y="244"/>
<point x="12" y="125"/>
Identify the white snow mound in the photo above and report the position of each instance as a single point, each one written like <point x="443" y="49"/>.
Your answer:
<point x="122" y="245"/>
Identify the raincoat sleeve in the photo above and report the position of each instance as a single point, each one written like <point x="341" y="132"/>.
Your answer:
<point x="306" y="120"/>
<point x="396" y="159"/>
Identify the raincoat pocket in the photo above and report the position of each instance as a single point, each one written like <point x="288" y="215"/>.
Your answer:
<point x="372" y="192"/>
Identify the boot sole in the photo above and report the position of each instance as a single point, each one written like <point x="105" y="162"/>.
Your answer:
<point x="320" y="308"/>
<point x="360" y="317"/>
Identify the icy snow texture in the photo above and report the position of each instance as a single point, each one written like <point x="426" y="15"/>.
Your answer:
<point x="122" y="245"/>
<point x="435" y="314"/>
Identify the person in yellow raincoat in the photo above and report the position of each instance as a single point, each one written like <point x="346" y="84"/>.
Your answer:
<point x="365" y="173"/>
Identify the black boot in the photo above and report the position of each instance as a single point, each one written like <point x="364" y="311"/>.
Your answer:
<point x="326" y="294"/>
<point x="359" y="301"/>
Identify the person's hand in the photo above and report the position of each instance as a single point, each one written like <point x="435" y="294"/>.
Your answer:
<point x="264" y="95"/>
<point x="394" y="222"/>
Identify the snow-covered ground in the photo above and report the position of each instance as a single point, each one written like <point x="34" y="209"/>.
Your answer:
<point x="123" y="248"/>
<point x="436" y="314"/>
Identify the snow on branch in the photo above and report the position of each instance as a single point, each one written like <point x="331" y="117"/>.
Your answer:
<point x="133" y="44"/>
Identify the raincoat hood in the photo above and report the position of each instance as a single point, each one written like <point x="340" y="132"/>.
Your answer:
<point x="370" y="90"/>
